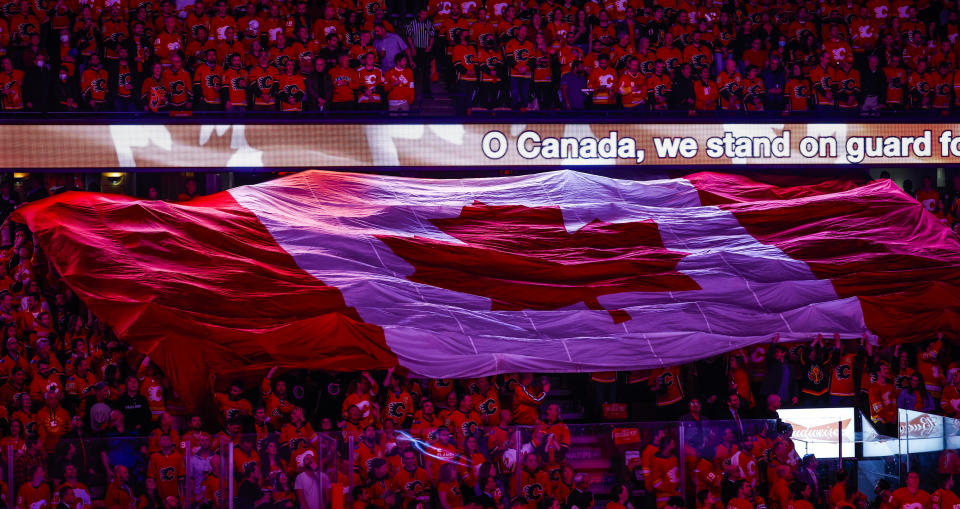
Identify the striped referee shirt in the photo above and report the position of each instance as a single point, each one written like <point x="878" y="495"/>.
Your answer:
<point x="420" y="33"/>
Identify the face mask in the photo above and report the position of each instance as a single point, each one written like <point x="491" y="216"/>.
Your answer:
<point x="783" y="43"/>
<point x="65" y="38"/>
<point x="39" y="63"/>
<point x="63" y="76"/>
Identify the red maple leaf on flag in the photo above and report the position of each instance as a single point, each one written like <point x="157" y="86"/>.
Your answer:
<point x="523" y="258"/>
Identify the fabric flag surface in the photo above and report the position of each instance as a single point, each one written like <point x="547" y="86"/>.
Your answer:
<point x="553" y="272"/>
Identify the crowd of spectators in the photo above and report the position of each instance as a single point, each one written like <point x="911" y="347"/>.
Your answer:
<point x="86" y="421"/>
<point x="698" y="57"/>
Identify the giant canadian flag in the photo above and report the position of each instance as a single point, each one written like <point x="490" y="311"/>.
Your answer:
<point x="557" y="272"/>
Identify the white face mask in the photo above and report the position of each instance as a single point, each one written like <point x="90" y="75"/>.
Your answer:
<point x="63" y="76"/>
<point x="65" y="38"/>
<point x="39" y="63"/>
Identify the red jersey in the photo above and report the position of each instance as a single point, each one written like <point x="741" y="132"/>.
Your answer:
<point x="12" y="86"/>
<point x="93" y="84"/>
<point x="292" y="86"/>
<point x="632" y="89"/>
<point x="235" y="81"/>
<point x="399" y="85"/>
<point x="603" y="83"/>
<point x="345" y="82"/>
<point x="168" y="471"/>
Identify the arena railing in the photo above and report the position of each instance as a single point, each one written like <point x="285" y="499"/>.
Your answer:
<point x="650" y="460"/>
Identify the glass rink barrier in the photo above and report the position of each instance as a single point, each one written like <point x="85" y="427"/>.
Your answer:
<point x="460" y="460"/>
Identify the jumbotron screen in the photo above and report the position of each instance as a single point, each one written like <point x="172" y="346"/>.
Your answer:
<point x="45" y="146"/>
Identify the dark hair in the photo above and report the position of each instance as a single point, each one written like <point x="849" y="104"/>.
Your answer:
<point x="676" y="501"/>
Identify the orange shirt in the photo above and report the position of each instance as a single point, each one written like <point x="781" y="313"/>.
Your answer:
<point x="526" y="405"/>
<point x="841" y="380"/>
<point x="668" y="379"/>
<point x="30" y="497"/>
<point x="55" y="424"/>
<point x="168" y="471"/>
<point x="896" y="80"/>
<point x="633" y="90"/>
<point x="534" y="486"/>
<point x="370" y="79"/>
<point x="12" y="85"/>
<point x="265" y="78"/>
<point x="659" y="87"/>
<point x="292" y="86"/>
<point x="399" y="85"/>
<point x="178" y="84"/>
<point x="705" y="95"/>
<point x="798" y="90"/>
<point x="166" y="44"/>
<point x="345" y="83"/>
<point x="603" y="82"/>
<point x="207" y="79"/>
<point x="93" y="84"/>
<point x="903" y="499"/>
<point x="521" y="53"/>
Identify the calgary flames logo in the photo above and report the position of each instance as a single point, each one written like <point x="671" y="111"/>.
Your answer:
<point x="843" y="372"/>
<point x="847" y="84"/>
<point x="488" y="407"/>
<point x="414" y="486"/>
<point x="212" y="81"/>
<point x="800" y="91"/>
<point x="521" y="55"/>
<point x="99" y="85"/>
<point x="168" y="474"/>
<point x="177" y="87"/>
<point x="468" y="428"/>
<point x="533" y="491"/>
<point x="396" y="409"/>
<point x="237" y="83"/>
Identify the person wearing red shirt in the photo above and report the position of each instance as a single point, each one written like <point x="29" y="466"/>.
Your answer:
<point x="705" y="93"/>
<point x="800" y="498"/>
<point x="658" y="86"/>
<point x="166" y="467"/>
<point x="632" y="86"/>
<point x="371" y="84"/>
<point x="744" y="496"/>
<point x="178" y="83"/>
<point x="234" y="85"/>
<point x="34" y="494"/>
<point x="399" y="84"/>
<point x="601" y="82"/>
<point x="292" y="88"/>
<point x="527" y="400"/>
<point x="911" y="496"/>
<point x="264" y="80"/>
<point x="346" y="83"/>
<point x="822" y="77"/>
<point x="518" y="53"/>
<point x="729" y="86"/>
<point x="921" y="86"/>
<point x="93" y="84"/>
<point x="167" y="42"/>
<point x="11" y="86"/>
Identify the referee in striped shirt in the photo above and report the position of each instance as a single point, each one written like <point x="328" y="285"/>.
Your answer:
<point x="420" y="36"/>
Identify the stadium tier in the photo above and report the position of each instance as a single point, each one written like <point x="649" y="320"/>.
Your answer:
<point x="548" y="340"/>
<point x="443" y="57"/>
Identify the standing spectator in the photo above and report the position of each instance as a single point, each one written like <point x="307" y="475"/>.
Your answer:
<point x="11" y="86"/>
<point x="874" y="83"/>
<point x="847" y="83"/>
<point x="400" y="86"/>
<point x="517" y="54"/>
<point x="292" y="88"/>
<point x="915" y="396"/>
<point x="310" y="485"/>
<point x="816" y="361"/>
<point x="234" y="85"/>
<point x="319" y="87"/>
<point x="153" y="94"/>
<point x="572" y="85"/>
<point x="206" y="82"/>
<point x="176" y="80"/>
<point x="134" y="407"/>
<point x="780" y="379"/>
<point x="601" y="82"/>
<point x="798" y="91"/>
<point x="38" y="79"/>
<point x="264" y="83"/>
<point x="705" y="92"/>
<point x="683" y="97"/>
<point x="420" y="37"/>
<point x="346" y="82"/>
<point x="774" y="81"/>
